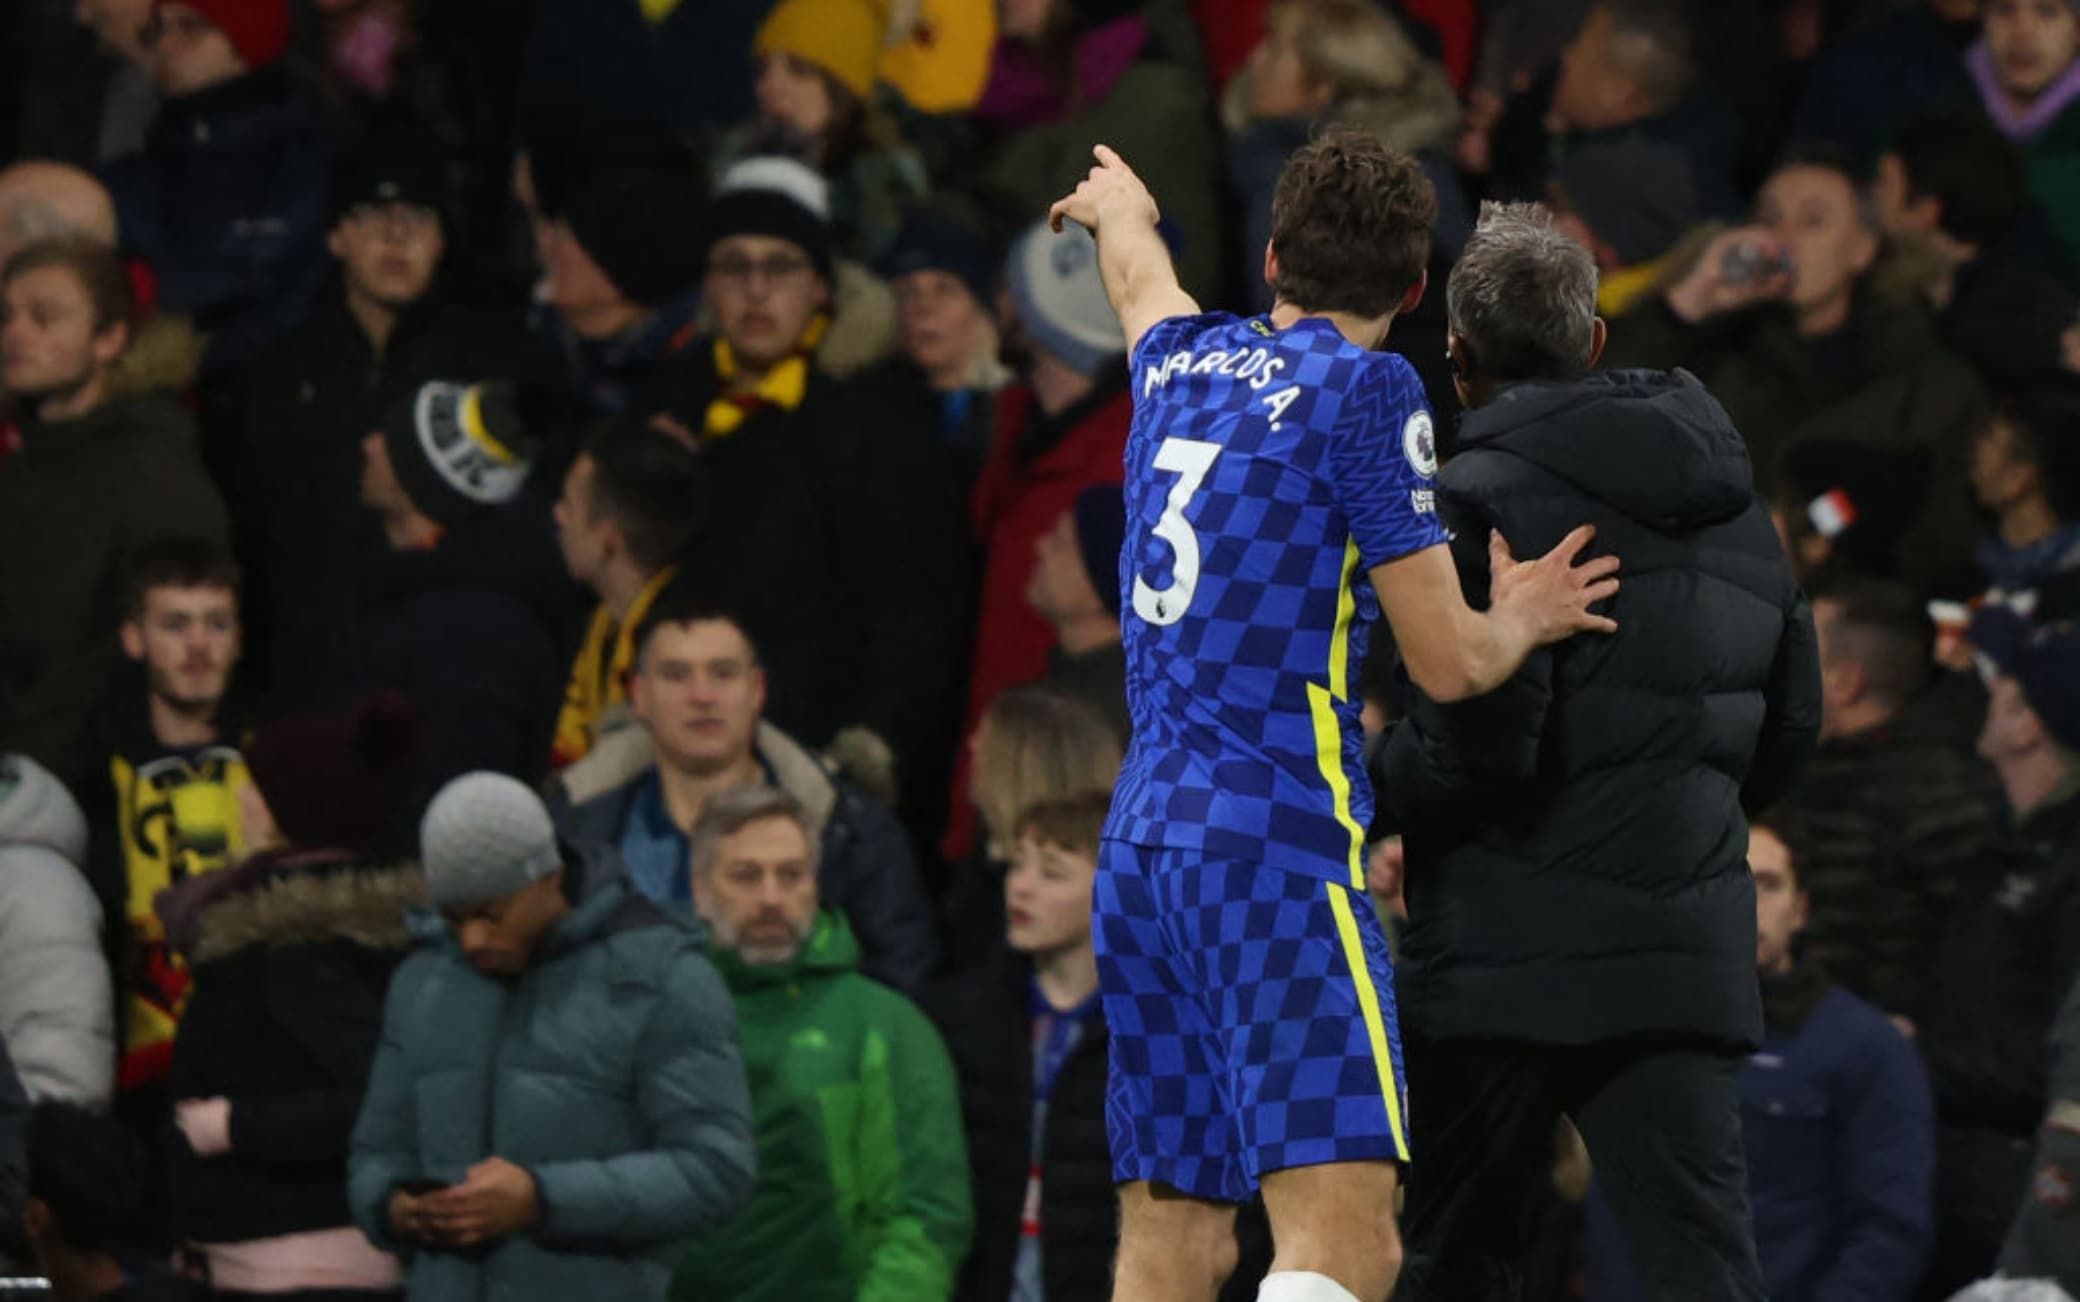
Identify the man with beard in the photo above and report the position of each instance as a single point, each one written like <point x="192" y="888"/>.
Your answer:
<point x="158" y="778"/>
<point x="93" y="476"/>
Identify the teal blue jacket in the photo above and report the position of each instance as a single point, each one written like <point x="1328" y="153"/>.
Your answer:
<point x="609" y="1069"/>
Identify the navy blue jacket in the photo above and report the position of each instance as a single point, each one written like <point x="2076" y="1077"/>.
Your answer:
<point x="1840" y="1131"/>
<point x="227" y="204"/>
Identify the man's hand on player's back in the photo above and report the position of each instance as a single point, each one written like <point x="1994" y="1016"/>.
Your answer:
<point x="1550" y="597"/>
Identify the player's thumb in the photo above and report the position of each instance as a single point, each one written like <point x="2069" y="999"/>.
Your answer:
<point x="1499" y="557"/>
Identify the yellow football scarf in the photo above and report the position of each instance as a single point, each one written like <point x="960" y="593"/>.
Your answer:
<point x="784" y="386"/>
<point x="599" y="677"/>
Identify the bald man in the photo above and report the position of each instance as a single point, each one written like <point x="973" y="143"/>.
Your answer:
<point x="42" y="200"/>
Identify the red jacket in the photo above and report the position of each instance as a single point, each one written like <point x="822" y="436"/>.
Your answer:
<point x="1016" y="503"/>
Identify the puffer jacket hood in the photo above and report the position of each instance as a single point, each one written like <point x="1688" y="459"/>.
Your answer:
<point x="1655" y="445"/>
<point x="38" y="811"/>
<point x="314" y="899"/>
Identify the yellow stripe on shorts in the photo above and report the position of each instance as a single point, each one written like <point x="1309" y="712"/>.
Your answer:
<point x="1368" y="1005"/>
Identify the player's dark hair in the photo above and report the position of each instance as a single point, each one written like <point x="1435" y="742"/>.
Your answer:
<point x="90" y="1172"/>
<point x="2044" y="431"/>
<point x="651" y="484"/>
<point x="1969" y="168"/>
<point x="1350" y="223"/>
<point x="1882" y="626"/>
<point x="176" y="563"/>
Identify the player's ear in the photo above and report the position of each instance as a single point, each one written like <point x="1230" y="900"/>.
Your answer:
<point x="1460" y="355"/>
<point x="1414" y="295"/>
<point x="1270" y="266"/>
<point x="1600" y="334"/>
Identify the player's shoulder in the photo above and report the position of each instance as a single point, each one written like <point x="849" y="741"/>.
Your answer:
<point x="1174" y="333"/>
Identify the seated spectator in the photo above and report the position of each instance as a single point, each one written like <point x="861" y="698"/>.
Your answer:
<point x="1076" y="588"/>
<point x="56" y="1013"/>
<point x="1838" y="1124"/>
<point x="1029" y="1046"/>
<point x="1892" y="819"/>
<point x="2026" y="70"/>
<point x="97" y="105"/>
<point x="620" y="291"/>
<point x="2026" y="474"/>
<point x="226" y="202"/>
<point x="1629" y="76"/>
<point x="1345" y="61"/>
<point x="89" y="1194"/>
<point x="945" y="281"/>
<point x="1865" y="85"/>
<point x="1035" y="743"/>
<point x="1785" y="323"/>
<point x="1951" y="189"/>
<point x="831" y="522"/>
<point x="698" y="690"/>
<point x="2041" y="1243"/>
<point x="632" y="504"/>
<point x="159" y="777"/>
<point x="291" y="953"/>
<point x="862" y="1175"/>
<point x="1068" y="74"/>
<point x="818" y="65"/>
<point x="42" y="200"/>
<point x="1060" y="430"/>
<point x="100" y="471"/>
<point x="2010" y="948"/>
<point x="390" y="320"/>
<point x="557" y="1103"/>
<point x="467" y="605"/>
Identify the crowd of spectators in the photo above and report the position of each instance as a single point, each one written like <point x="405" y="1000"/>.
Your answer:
<point x="559" y="610"/>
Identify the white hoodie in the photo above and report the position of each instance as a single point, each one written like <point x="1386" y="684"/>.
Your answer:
<point x="56" y="1009"/>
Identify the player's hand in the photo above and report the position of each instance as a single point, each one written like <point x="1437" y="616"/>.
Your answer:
<point x="1739" y="268"/>
<point x="1552" y="594"/>
<point x="1111" y="193"/>
<point x="410" y="1221"/>
<point x="495" y="1198"/>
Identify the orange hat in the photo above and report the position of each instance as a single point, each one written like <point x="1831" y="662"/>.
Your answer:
<point x="842" y="37"/>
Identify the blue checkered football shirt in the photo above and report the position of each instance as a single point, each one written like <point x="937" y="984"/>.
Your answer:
<point x="1267" y="472"/>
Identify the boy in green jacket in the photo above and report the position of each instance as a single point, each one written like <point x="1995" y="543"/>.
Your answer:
<point x="862" y="1169"/>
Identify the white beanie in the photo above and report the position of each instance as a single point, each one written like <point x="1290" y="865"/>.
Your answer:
<point x="485" y="836"/>
<point x="1060" y="298"/>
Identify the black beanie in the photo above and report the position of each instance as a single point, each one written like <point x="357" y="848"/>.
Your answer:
<point x="459" y="448"/>
<point x="643" y="227"/>
<point x="778" y="197"/>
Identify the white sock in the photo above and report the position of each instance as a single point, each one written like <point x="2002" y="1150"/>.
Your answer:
<point x="1302" y="1286"/>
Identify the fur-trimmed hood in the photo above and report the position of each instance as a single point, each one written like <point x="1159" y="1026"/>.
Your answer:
<point x="306" y="900"/>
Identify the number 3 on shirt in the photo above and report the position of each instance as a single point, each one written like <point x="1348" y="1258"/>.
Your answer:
<point x="1189" y="460"/>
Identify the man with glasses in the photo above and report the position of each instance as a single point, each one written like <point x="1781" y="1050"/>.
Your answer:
<point x="834" y="531"/>
<point x="387" y="324"/>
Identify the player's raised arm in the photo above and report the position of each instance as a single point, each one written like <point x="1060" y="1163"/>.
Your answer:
<point x="1117" y="208"/>
<point x="1453" y="651"/>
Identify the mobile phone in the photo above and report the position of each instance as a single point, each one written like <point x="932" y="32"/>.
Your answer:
<point x="421" y="1187"/>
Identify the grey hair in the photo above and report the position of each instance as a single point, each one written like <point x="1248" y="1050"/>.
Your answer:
<point x="1522" y="297"/>
<point x="728" y="812"/>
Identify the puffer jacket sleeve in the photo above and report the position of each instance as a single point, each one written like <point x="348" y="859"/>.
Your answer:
<point x="56" y="1006"/>
<point x="384" y="1151"/>
<point x="883" y="896"/>
<point x="690" y="1094"/>
<point x="1791" y="713"/>
<point x="913" y="1160"/>
<point x="333" y="1012"/>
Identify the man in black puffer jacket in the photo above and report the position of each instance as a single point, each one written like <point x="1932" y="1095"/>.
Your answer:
<point x="1581" y="936"/>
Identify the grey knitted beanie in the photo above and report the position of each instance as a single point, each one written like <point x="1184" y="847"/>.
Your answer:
<point x="485" y="836"/>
